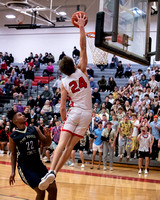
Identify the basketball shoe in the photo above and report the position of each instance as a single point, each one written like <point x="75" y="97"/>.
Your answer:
<point x="47" y="180"/>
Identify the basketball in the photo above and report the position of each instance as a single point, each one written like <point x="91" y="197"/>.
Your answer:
<point x="74" y="18"/>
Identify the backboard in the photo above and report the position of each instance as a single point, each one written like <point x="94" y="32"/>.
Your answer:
<point x="122" y="28"/>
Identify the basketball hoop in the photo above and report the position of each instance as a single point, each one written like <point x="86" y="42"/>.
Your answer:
<point x="99" y="56"/>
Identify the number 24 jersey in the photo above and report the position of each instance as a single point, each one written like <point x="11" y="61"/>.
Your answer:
<point x="78" y="88"/>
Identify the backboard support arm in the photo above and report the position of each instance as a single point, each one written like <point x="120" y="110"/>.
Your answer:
<point x="158" y="34"/>
<point x="115" y="21"/>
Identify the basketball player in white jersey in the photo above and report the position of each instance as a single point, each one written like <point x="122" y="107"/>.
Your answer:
<point x="75" y="123"/>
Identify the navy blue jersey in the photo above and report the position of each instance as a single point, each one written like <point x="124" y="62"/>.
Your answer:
<point x="27" y="145"/>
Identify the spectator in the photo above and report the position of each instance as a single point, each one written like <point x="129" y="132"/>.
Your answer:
<point x="18" y="92"/>
<point x="109" y="138"/>
<point x="56" y="130"/>
<point x="20" y="107"/>
<point x="56" y="97"/>
<point x="27" y="60"/>
<point x="92" y="84"/>
<point x="44" y="117"/>
<point x="7" y="89"/>
<point x="155" y="130"/>
<point x="145" y="148"/>
<point x="45" y="58"/>
<point x="1" y="57"/>
<point x="39" y="102"/>
<point x="31" y="102"/>
<point x="127" y="98"/>
<point x="13" y="76"/>
<point x="139" y="75"/>
<point x="56" y="109"/>
<point x="96" y="107"/>
<point x="80" y="146"/>
<point x="97" y="145"/>
<point x="49" y="70"/>
<point x="29" y="77"/>
<point x="153" y="83"/>
<point x="116" y="105"/>
<point x="62" y="55"/>
<point x="3" y="67"/>
<point x="111" y="84"/>
<point x="75" y="55"/>
<point x="17" y="81"/>
<point x="115" y="93"/>
<point x="132" y="77"/>
<point x="125" y="130"/>
<point x="120" y="70"/>
<point x="11" y="59"/>
<point x="90" y="71"/>
<point x="108" y="103"/>
<point x="102" y="84"/>
<point x="8" y="72"/>
<point x="26" y="113"/>
<point x="40" y="58"/>
<point x="3" y="138"/>
<point x="128" y="71"/>
<point x="148" y="73"/>
<point x="149" y="92"/>
<point x="111" y="100"/>
<point x="33" y="117"/>
<point x="103" y="112"/>
<point x="6" y="58"/>
<point x="143" y="81"/>
<point x="96" y="97"/>
<point x="23" y="71"/>
<point x="157" y="75"/>
<point x="114" y="62"/>
<point x="17" y="70"/>
<point x="135" y="123"/>
<point x="57" y="84"/>
<point x="46" y="94"/>
<point x="47" y="108"/>
<point x="36" y="64"/>
<point x="120" y="114"/>
<point x="50" y="58"/>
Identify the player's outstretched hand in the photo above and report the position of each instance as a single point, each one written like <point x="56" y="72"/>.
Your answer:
<point x="81" y="20"/>
<point x="47" y="131"/>
<point x="12" y="179"/>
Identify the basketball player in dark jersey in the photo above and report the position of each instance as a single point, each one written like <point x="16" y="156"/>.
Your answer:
<point x="24" y="150"/>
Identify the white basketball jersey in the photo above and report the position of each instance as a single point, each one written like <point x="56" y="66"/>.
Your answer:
<point x="78" y="88"/>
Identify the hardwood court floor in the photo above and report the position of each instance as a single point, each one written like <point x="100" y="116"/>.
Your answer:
<point x="75" y="183"/>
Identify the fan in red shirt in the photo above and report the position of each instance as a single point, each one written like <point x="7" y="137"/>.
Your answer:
<point x="3" y="66"/>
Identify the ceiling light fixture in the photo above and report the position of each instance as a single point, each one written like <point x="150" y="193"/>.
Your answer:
<point x="62" y="13"/>
<point x="10" y="16"/>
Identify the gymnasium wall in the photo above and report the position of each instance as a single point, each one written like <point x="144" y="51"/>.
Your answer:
<point x="22" y="42"/>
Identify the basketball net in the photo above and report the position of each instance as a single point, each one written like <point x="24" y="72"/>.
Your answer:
<point x="99" y="56"/>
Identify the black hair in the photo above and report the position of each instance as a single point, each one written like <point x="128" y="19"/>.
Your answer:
<point x="11" y="114"/>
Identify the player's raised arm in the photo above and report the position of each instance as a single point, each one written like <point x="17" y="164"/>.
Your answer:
<point x="46" y="139"/>
<point x="83" y="54"/>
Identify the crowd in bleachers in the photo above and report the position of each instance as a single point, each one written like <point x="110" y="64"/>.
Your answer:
<point x="116" y="122"/>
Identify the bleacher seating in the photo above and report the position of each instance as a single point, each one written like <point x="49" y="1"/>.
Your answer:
<point x="51" y="79"/>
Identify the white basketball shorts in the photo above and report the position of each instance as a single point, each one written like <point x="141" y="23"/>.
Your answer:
<point x="77" y="121"/>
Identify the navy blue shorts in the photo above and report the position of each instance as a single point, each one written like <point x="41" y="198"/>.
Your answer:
<point x="32" y="174"/>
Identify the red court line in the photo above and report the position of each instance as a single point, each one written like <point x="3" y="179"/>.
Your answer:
<point x="101" y="175"/>
<point x="110" y="176"/>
